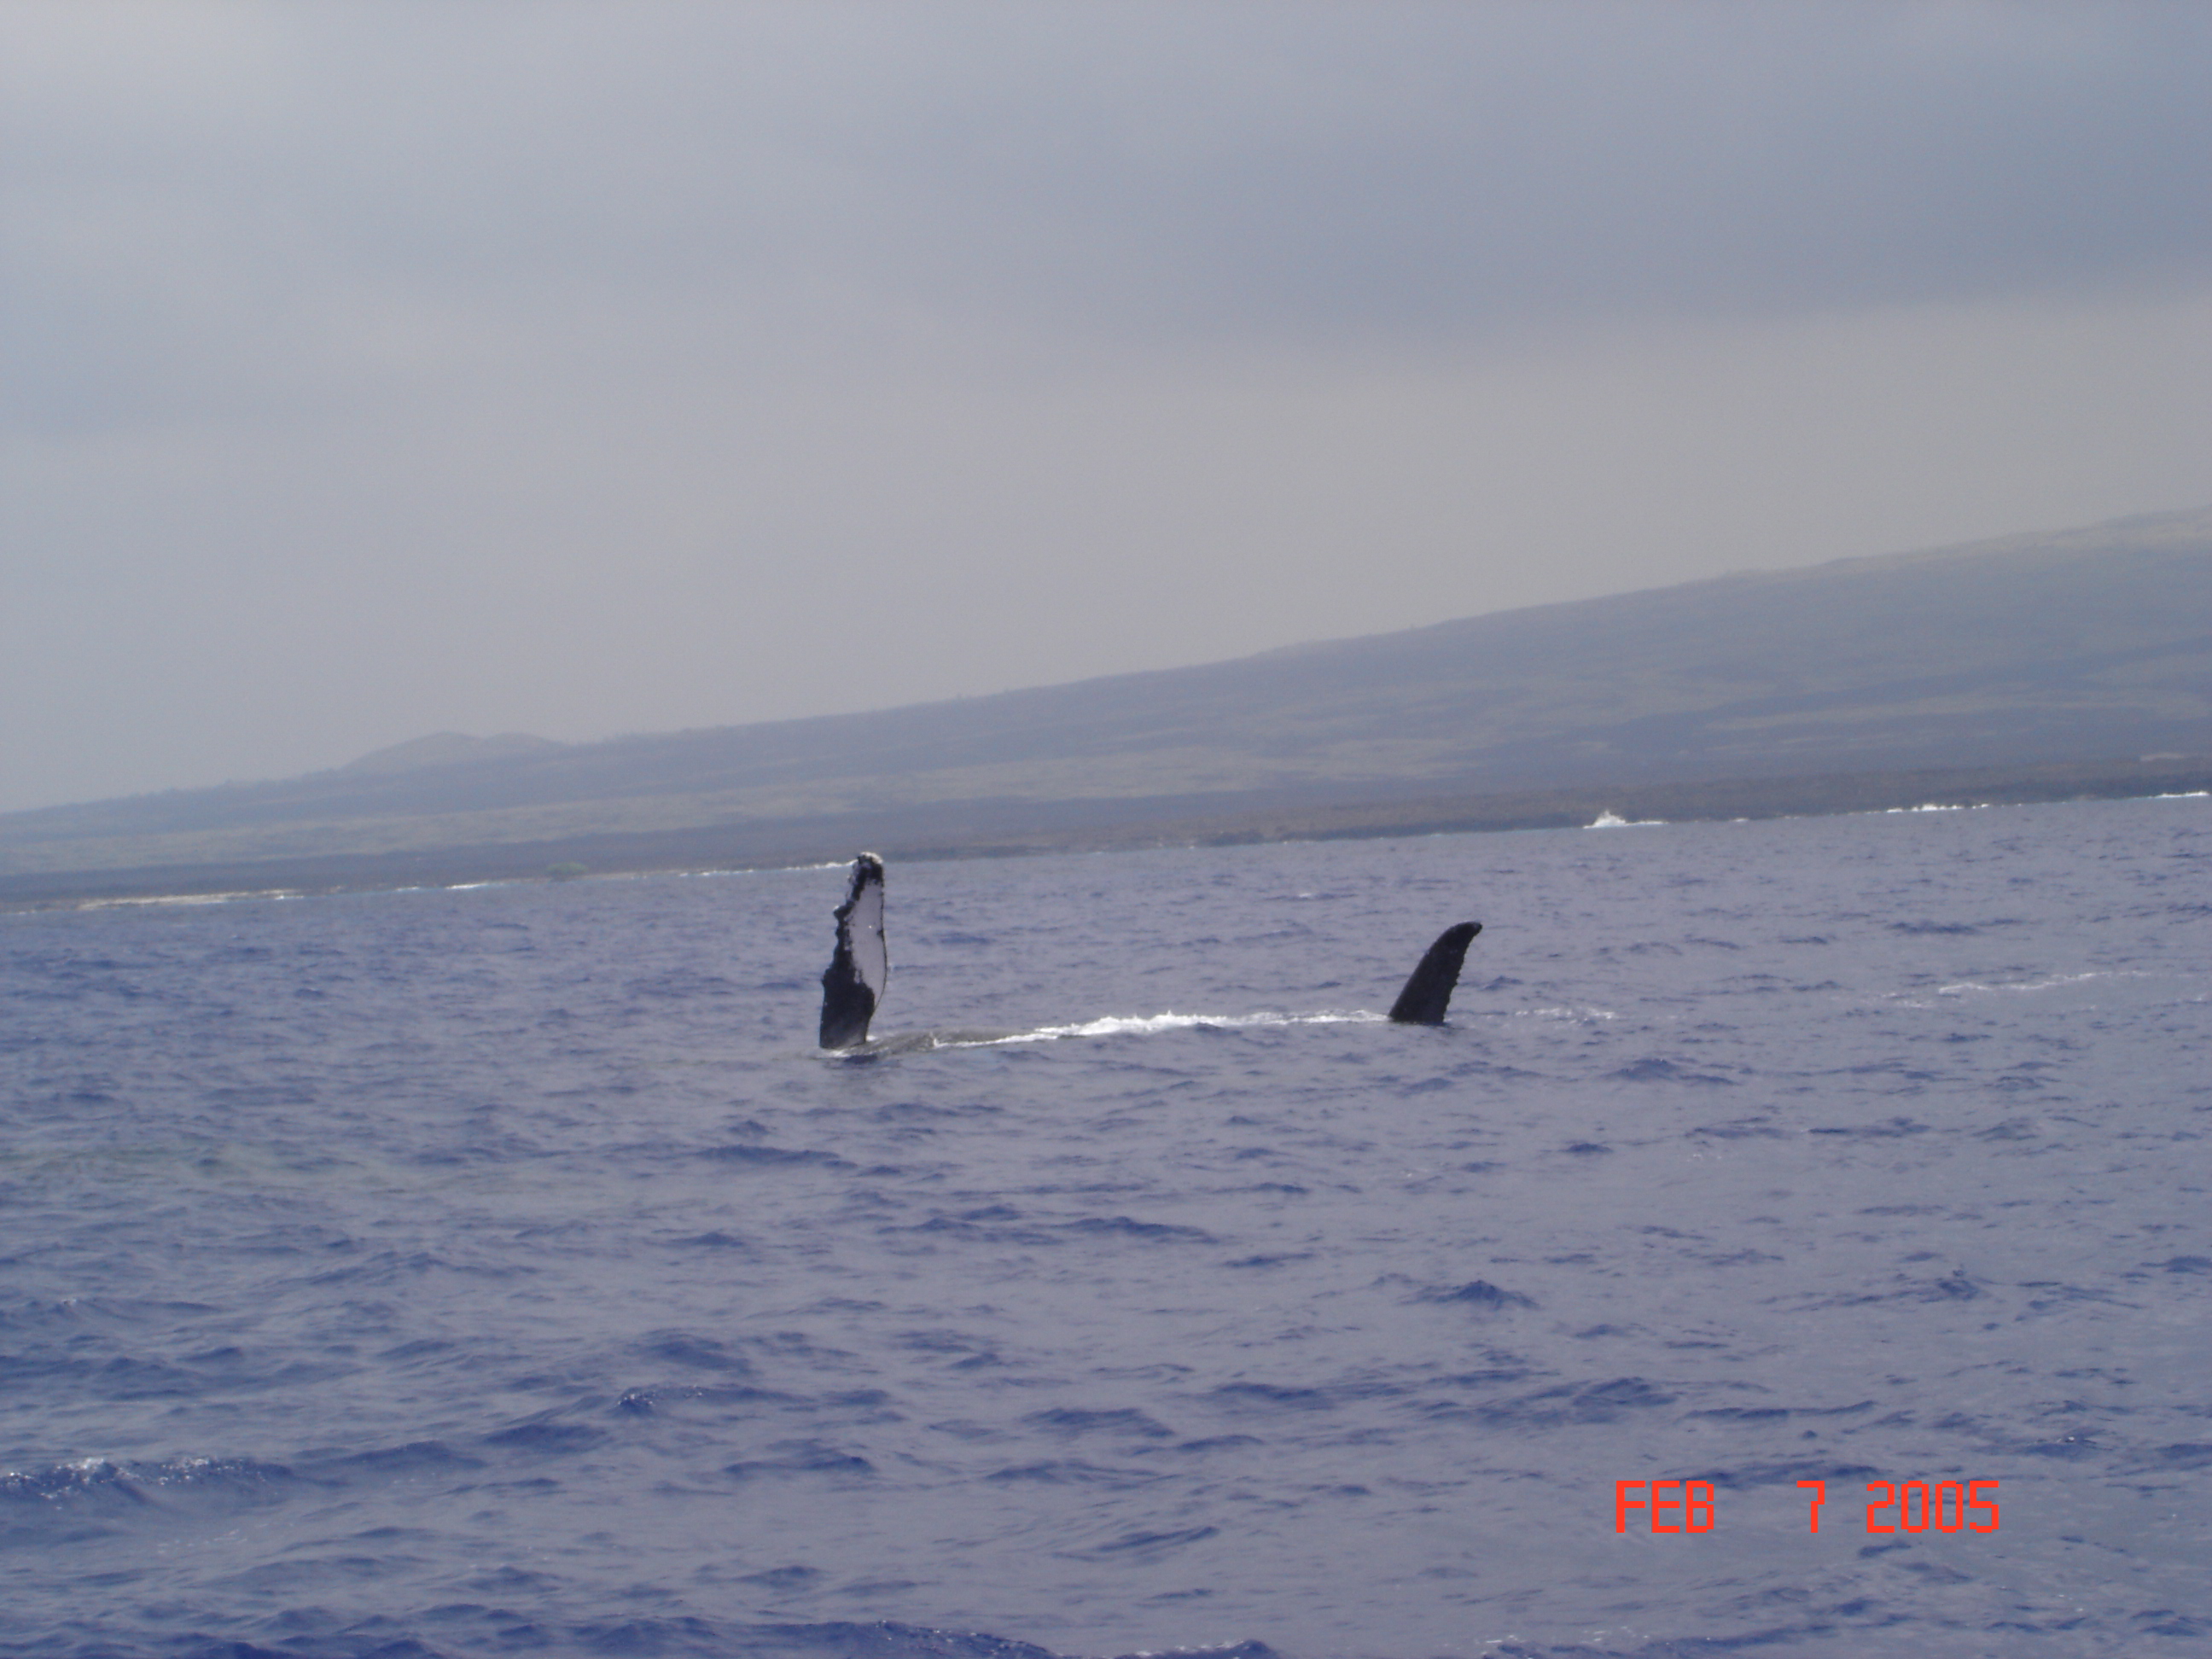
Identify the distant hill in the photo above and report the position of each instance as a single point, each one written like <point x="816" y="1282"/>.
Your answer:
<point x="447" y="749"/>
<point x="2079" y="653"/>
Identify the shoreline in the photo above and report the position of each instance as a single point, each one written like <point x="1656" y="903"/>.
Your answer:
<point x="1009" y="829"/>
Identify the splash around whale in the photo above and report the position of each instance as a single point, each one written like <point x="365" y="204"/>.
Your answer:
<point x="853" y="983"/>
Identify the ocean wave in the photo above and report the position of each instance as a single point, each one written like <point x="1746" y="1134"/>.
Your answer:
<point x="96" y="1477"/>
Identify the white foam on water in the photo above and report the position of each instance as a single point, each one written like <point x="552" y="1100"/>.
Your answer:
<point x="1147" y="1024"/>
<point x="1965" y="986"/>
<point x="184" y="898"/>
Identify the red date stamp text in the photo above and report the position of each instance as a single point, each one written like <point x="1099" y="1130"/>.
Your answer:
<point x="1914" y="1506"/>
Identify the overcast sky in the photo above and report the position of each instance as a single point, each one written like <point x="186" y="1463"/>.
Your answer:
<point x="372" y="370"/>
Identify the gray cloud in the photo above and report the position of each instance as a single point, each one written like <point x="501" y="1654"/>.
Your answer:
<point x="1149" y="172"/>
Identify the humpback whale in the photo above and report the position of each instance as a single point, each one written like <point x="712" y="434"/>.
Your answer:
<point x="853" y="984"/>
<point x="1428" y="991"/>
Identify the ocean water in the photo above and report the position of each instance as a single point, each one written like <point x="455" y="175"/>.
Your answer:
<point x="503" y="1270"/>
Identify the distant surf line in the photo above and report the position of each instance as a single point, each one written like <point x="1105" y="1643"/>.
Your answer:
<point x="1607" y="819"/>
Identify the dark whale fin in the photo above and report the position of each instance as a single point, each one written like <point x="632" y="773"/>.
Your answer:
<point x="852" y="983"/>
<point x="1428" y="992"/>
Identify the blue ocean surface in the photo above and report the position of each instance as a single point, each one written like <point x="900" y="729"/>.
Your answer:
<point x="504" y="1270"/>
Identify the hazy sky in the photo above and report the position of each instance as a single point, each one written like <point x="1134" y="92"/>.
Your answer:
<point x="372" y="370"/>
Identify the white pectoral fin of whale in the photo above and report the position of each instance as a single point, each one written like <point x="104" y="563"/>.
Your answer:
<point x="1428" y="992"/>
<point x="853" y="984"/>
